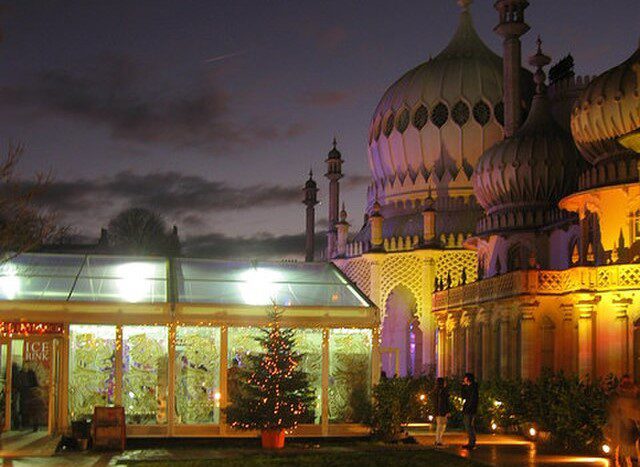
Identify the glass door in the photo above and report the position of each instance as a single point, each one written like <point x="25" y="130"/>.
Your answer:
<point x="15" y="407"/>
<point x="4" y="387"/>
<point x="54" y="389"/>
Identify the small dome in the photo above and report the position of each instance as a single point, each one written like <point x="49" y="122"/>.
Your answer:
<point x="334" y="153"/>
<point x="311" y="184"/>
<point x="520" y="180"/>
<point x="608" y="109"/>
<point x="431" y="126"/>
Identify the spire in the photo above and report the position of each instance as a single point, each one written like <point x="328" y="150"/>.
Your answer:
<point x="539" y="60"/>
<point x="465" y="4"/>
<point x="310" y="200"/>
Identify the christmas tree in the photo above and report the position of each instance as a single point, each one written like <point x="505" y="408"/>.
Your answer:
<point x="273" y="391"/>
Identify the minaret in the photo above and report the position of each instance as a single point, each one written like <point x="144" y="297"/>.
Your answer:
<point x="334" y="174"/>
<point x="429" y="220"/>
<point x="375" y="224"/>
<point x="511" y="27"/>
<point x="342" y="228"/>
<point x="310" y="200"/>
<point x="539" y="61"/>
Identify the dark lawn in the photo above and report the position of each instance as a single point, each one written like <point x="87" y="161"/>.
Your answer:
<point x="345" y="456"/>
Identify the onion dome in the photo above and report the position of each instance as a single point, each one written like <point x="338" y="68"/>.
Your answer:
<point x="433" y="123"/>
<point x="334" y="153"/>
<point x="520" y="180"/>
<point x="607" y="110"/>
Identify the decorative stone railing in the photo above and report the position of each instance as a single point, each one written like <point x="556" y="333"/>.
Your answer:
<point x="534" y="282"/>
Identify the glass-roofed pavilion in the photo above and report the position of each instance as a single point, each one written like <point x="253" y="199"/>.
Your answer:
<point x="165" y="338"/>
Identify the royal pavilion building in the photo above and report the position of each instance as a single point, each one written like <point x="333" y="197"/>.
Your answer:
<point x="502" y="229"/>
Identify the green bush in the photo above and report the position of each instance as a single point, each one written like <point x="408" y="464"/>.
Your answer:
<point x="393" y="404"/>
<point x="573" y="411"/>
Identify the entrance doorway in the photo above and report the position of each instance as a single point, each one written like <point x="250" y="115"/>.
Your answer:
<point x="29" y="373"/>
<point x="401" y="349"/>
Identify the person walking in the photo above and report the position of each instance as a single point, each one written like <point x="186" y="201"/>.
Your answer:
<point x="622" y="424"/>
<point x="469" y="408"/>
<point x="443" y="408"/>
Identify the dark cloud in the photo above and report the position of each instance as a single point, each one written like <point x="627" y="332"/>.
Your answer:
<point x="261" y="246"/>
<point x="121" y="94"/>
<point x="186" y="198"/>
<point x="356" y="181"/>
<point x="325" y="98"/>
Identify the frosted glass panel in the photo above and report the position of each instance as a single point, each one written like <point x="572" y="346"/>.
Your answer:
<point x="197" y="369"/>
<point x="92" y="351"/>
<point x="349" y="375"/>
<point x="145" y="374"/>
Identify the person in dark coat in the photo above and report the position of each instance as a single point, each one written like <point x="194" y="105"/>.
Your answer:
<point x="469" y="408"/>
<point x="443" y="408"/>
<point x="30" y="399"/>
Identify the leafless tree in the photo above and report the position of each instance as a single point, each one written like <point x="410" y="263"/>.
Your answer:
<point x="24" y="225"/>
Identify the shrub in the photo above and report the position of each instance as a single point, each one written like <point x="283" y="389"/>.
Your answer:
<point x="572" y="410"/>
<point x="393" y="404"/>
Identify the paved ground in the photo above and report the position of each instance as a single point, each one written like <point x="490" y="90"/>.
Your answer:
<point x="36" y="449"/>
<point x="501" y="450"/>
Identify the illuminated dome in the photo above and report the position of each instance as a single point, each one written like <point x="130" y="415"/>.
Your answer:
<point x="519" y="181"/>
<point x="432" y="125"/>
<point x="608" y="109"/>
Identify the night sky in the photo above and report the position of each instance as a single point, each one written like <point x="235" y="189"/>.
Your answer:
<point x="212" y="112"/>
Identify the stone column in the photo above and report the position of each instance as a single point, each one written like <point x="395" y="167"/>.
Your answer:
<point x="468" y="325"/>
<point x="569" y="339"/>
<point x="586" y="338"/>
<point x="529" y="367"/>
<point x="621" y="339"/>
<point x="485" y="323"/>
<point x="505" y="348"/>
<point x="442" y="340"/>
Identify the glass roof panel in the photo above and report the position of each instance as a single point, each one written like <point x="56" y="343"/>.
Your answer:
<point x="122" y="279"/>
<point x="263" y="283"/>
<point x="39" y="276"/>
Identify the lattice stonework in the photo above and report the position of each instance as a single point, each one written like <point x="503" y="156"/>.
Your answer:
<point x="453" y="262"/>
<point x="402" y="269"/>
<point x="359" y="272"/>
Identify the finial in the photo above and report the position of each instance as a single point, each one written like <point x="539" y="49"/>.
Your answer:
<point x="465" y="4"/>
<point x="539" y="60"/>
<point x="310" y="173"/>
<point x="343" y="214"/>
<point x="335" y="143"/>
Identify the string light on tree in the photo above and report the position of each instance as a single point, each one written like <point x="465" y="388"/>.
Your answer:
<point x="274" y="392"/>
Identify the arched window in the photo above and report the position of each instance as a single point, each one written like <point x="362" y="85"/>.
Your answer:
<point x="574" y="252"/>
<point x="514" y="262"/>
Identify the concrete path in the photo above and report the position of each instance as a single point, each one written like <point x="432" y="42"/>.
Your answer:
<point x="27" y="444"/>
<point x="503" y="450"/>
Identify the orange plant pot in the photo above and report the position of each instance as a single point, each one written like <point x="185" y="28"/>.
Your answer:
<point x="272" y="439"/>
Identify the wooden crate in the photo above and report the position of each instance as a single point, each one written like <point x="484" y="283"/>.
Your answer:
<point x="109" y="428"/>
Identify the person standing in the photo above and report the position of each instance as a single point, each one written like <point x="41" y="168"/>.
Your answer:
<point x="443" y="408"/>
<point x="470" y="408"/>
<point x="623" y="416"/>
